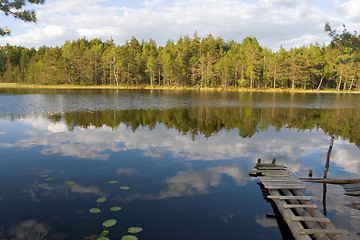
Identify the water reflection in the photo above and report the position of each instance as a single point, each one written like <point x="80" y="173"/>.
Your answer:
<point x="95" y="143"/>
<point x="185" y="167"/>
<point x="29" y="229"/>
<point x="199" y="182"/>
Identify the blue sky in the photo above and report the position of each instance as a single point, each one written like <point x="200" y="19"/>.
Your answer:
<point x="275" y="23"/>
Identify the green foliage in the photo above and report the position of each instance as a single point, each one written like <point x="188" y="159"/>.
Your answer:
<point x="95" y="210"/>
<point x="196" y="62"/>
<point x="109" y="223"/>
<point x="209" y="121"/>
<point x="15" y="9"/>
<point x="135" y="229"/>
<point x="100" y="200"/>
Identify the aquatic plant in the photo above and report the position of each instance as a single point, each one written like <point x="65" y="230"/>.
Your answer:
<point x="115" y="209"/>
<point x="135" y="229"/>
<point x="109" y="223"/>
<point x="129" y="237"/>
<point x="95" y="210"/>
<point x="102" y="199"/>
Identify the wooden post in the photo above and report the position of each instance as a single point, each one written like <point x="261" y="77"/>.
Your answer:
<point x="328" y="156"/>
<point x="326" y="172"/>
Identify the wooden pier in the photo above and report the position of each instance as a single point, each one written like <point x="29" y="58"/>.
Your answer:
<point x="302" y="217"/>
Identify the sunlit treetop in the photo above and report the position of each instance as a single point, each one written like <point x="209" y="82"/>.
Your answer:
<point x="15" y="9"/>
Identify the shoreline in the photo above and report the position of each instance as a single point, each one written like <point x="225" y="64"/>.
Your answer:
<point x="177" y="88"/>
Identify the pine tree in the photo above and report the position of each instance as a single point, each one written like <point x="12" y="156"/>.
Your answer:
<point x="15" y="9"/>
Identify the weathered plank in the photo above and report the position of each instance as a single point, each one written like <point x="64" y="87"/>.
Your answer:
<point x="331" y="181"/>
<point x="286" y="186"/>
<point x="287" y="215"/>
<point x="320" y="230"/>
<point x="302" y="217"/>
<point x="300" y="206"/>
<point x="271" y="168"/>
<point x="284" y="180"/>
<point x="304" y="198"/>
<point x="270" y="172"/>
<point x="310" y="219"/>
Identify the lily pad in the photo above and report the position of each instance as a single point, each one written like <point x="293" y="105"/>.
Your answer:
<point x="124" y="187"/>
<point x="49" y="179"/>
<point x="100" y="200"/>
<point x="32" y="169"/>
<point x="115" y="209"/>
<point x="112" y="182"/>
<point x="103" y="234"/>
<point x="103" y="238"/>
<point x="69" y="182"/>
<point x="44" y="175"/>
<point x="129" y="237"/>
<point x="95" y="210"/>
<point x="135" y="229"/>
<point x="109" y="223"/>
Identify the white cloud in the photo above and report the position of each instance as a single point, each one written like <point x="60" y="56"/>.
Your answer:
<point x="199" y="182"/>
<point x="349" y="8"/>
<point x="273" y="23"/>
<point x="347" y="156"/>
<point x="90" y="144"/>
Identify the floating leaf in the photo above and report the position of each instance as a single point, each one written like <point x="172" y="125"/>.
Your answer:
<point x="104" y="234"/>
<point x="129" y="237"/>
<point x="95" y="210"/>
<point x="49" y="179"/>
<point x="124" y="187"/>
<point x="115" y="209"/>
<point x="103" y="238"/>
<point x="135" y="229"/>
<point x="109" y="223"/>
<point x="44" y="175"/>
<point x="32" y="169"/>
<point x="69" y="182"/>
<point x="112" y="182"/>
<point x="100" y="200"/>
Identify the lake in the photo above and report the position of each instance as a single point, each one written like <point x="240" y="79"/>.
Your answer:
<point x="174" y="163"/>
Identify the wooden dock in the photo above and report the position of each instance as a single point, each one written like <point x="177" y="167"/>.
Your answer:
<point x="302" y="217"/>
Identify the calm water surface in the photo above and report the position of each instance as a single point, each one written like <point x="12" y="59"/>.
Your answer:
<point x="184" y="155"/>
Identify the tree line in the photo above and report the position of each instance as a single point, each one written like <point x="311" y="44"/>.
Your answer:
<point x="190" y="61"/>
<point x="210" y="121"/>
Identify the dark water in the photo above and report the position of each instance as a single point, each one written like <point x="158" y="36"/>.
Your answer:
<point x="184" y="155"/>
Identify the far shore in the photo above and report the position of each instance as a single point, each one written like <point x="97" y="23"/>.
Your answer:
<point x="157" y="87"/>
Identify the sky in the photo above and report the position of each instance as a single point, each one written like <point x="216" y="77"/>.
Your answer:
<point x="274" y="23"/>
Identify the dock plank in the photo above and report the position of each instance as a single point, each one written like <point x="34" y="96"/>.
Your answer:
<point x="286" y="186"/>
<point x="304" y="198"/>
<point x="320" y="230"/>
<point x="304" y="219"/>
<point x="300" y="206"/>
<point x="310" y="219"/>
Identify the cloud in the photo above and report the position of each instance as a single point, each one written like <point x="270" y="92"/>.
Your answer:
<point x="29" y="229"/>
<point x="266" y="221"/>
<point x="350" y="9"/>
<point x="199" y="182"/>
<point x="49" y="189"/>
<point x="346" y="156"/>
<point x="273" y="23"/>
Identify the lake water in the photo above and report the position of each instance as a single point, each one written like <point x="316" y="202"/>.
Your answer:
<point x="176" y="162"/>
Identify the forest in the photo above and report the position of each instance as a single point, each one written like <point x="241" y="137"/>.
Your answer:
<point x="209" y="121"/>
<point x="188" y="62"/>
